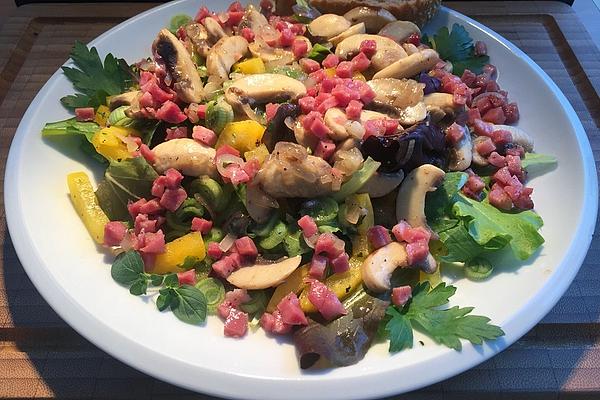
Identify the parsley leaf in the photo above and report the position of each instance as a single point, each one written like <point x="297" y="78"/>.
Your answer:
<point x="445" y="326"/>
<point x="457" y="47"/>
<point x="94" y="80"/>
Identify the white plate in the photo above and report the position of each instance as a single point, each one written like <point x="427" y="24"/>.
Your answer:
<point x="67" y="269"/>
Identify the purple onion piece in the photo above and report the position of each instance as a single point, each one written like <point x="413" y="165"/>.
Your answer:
<point x="431" y="84"/>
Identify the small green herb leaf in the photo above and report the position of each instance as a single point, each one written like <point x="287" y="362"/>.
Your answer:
<point x="139" y="287"/>
<point x="127" y="268"/>
<point x="191" y="305"/>
<point x="171" y="281"/>
<point x="165" y="299"/>
<point x="457" y="47"/>
<point x="156" y="280"/>
<point x="318" y="52"/>
<point x="399" y="330"/>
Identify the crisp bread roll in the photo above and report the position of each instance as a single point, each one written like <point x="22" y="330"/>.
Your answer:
<point x="417" y="11"/>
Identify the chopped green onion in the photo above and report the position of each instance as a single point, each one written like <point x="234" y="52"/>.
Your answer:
<point x="177" y="21"/>
<point x="276" y="236"/>
<point x="359" y="178"/>
<point x="214" y="235"/>
<point x="214" y="292"/>
<point x="294" y="245"/>
<point x="478" y="269"/>
<point x="218" y="114"/>
<point x="118" y="117"/>
<point x="322" y="210"/>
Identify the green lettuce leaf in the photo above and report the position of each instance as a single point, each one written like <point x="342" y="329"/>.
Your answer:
<point x="537" y="161"/>
<point x="492" y="228"/>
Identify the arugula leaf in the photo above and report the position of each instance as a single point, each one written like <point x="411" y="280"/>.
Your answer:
<point x="457" y="47"/>
<point x="491" y="227"/>
<point x="94" y="80"/>
<point x="460" y="245"/>
<point x="445" y="326"/>
<point x="318" y="52"/>
<point x="191" y="305"/>
<point x="538" y="161"/>
<point x="439" y="202"/>
<point x="129" y="179"/>
<point x="71" y="128"/>
<point x="127" y="268"/>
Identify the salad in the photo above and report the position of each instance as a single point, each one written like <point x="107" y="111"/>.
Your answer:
<point x="307" y="175"/>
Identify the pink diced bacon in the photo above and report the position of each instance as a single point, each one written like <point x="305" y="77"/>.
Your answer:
<point x="236" y="324"/>
<point x="318" y="265"/>
<point x="308" y="226"/>
<point x="187" y="277"/>
<point x="378" y="236"/>
<point x="114" y="232"/>
<point x="401" y="295"/>
<point x="340" y="264"/>
<point x="246" y="247"/>
<point x="85" y="114"/>
<point x="325" y="301"/>
<point x="201" y="225"/>
<point x="204" y="135"/>
<point x="290" y="310"/>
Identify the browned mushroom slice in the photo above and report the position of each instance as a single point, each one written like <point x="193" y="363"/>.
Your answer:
<point x="263" y="88"/>
<point x="328" y="25"/>
<point x="221" y="57"/>
<point x="186" y="155"/>
<point x="353" y="30"/>
<point x="125" y="99"/>
<point x="378" y="267"/>
<point x="214" y="30"/>
<point x="387" y="53"/>
<point x="409" y="66"/>
<point x="179" y="63"/>
<point x="400" y="31"/>
<point x="410" y="203"/>
<point x="262" y="276"/>
<point x="374" y="19"/>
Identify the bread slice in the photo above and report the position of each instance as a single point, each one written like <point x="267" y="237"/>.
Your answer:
<point x="417" y="11"/>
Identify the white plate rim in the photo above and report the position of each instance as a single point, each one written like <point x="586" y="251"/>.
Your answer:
<point x="236" y="385"/>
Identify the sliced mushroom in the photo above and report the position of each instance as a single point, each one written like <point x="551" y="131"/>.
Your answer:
<point x="271" y="56"/>
<point x="374" y="19"/>
<point x="125" y="99"/>
<point x="477" y="158"/>
<point x="263" y="88"/>
<point x="353" y="30"/>
<point x="443" y="101"/>
<point x="328" y="25"/>
<point x="397" y="92"/>
<point x="410" y="48"/>
<point x="179" y="63"/>
<point x="378" y="267"/>
<point x="387" y="53"/>
<point x="382" y="184"/>
<point x="253" y="19"/>
<point x="461" y="153"/>
<point x="214" y="30"/>
<point x="335" y="118"/>
<point x="198" y="35"/>
<point x="347" y="161"/>
<point x="226" y="52"/>
<point x="412" y="115"/>
<point x="186" y="155"/>
<point x="410" y="203"/>
<point x="262" y="276"/>
<point x="304" y="139"/>
<point x="291" y="172"/>
<point x="400" y="31"/>
<point x="519" y="136"/>
<point x="409" y="66"/>
<point x="260" y="206"/>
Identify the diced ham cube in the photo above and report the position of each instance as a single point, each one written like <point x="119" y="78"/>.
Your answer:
<point x="151" y="207"/>
<point x="325" y="149"/>
<point x="400" y="231"/>
<point x="246" y="247"/>
<point x="378" y="236"/>
<point x="287" y="38"/>
<point x="401" y="295"/>
<point x="143" y="224"/>
<point x="308" y="226"/>
<point x="173" y="198"/>
<point x="454" y="133"/>
<point x="496" y="160"/>
<point x="368" y="48"/>
<point x="214" y="251"/>
<point x="514" y="164"/>
<point x="85" y="114"/>
<point x="417" y="252"/>
<point x="502" y="176"/>
<point x="171" y="113"/>
<point x="319" y="129"/>
<point x="374" y="127"/>
<point x="114" y="232"/>
<point x="204" y="135"/>
<point x="341" y="264"/>
<point x="473" y="187"/>
<point x="354" y="109"/>
<point x="153" y="243"/>
<point x="147" y="153"/>
<point x="178" y="132"/>
<point x="271" y="110"/>
<point x="273" y="323"/>
<point x="299" y="48"/>
<point x="226" y="149"/>
<point x="468" y="78"/>
<point x="499" y="198"/>
<point x="485" y="147"/>
<point x="345" y="69"/>
<point x="309" y="65"/>
<point x="187" y="277"/>
<point x="318" y="265"/>
<point x="495" y="116"/>
<point x="361" y="62"/>
<point x="248" y="34"/>
<point x="325" y="105"/>
<point x="173" y="178"/>
<point x="391" y="126"/>
<point x="236" y="324"/>
<point x="201" y="225"/>
<point x="511" y="112"/>
<point x="480" y="48"/>
<point x="202" y="13"/>
<point x="307" y="104"/>
<point x="225" y="266"/>
<point x="330" y="245"/>
<point x="331" y="61"/>
<point x="290" y="310"/>
<point x="472" y="115"/>
<point x="366" y="93"/>
<point x="324" y="300"/>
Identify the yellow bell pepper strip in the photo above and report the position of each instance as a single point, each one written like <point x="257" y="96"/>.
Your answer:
<point x="293" y="283"/>
<point x="242" y="135"/>
<point x="360" y="243"/>
<point x="342" y="284"/>
<point x="108" y="142"/>
<point x="260" y="153"/>
<point x="250" y="66"/>
<point x="190" y="245"/>
<point x="330" y="72"/>
<point x="102" y="114"/>
<point x="85" y="203"/>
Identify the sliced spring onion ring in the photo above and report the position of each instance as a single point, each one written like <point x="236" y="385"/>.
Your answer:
<point x="214" y="292"/>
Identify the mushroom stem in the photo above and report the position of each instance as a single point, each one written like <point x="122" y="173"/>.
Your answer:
<point x="378" y="267"/>
<point x="410" y="66"/>
<point x="461" y="153"/>
<point x="410" y="203"/>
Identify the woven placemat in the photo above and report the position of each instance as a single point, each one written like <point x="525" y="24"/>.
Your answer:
<point x="40" y="356"/>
